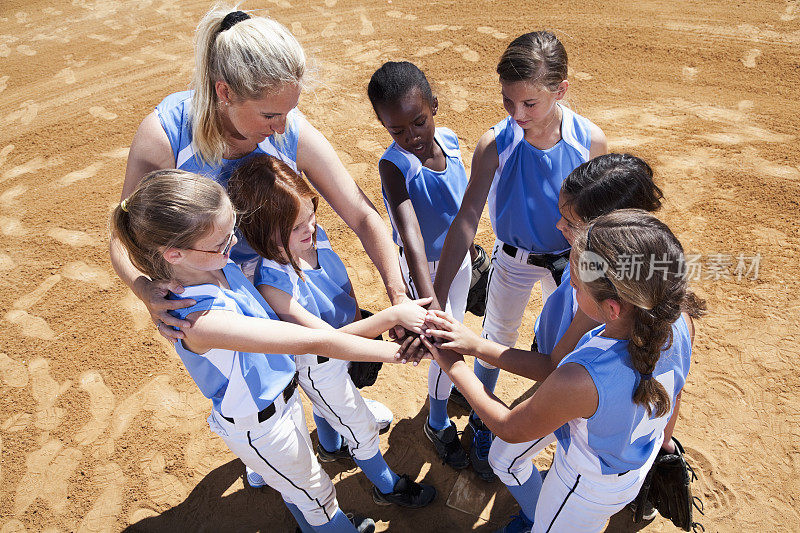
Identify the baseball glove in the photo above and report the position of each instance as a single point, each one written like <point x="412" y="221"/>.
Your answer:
<point x="668" y="486"/>
<point x="476" y="299"/>
<point x="363" y="373"/>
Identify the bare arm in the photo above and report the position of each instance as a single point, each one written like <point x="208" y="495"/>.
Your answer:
<point x="317" y="159"/>
<point x="403" y="214"/>
<point x="599" y="144"/>
<point x="288" y="309"/>
<point x="455" y="336"/>
<point x="463" y="228"/>
<point x="150" y="150"/>
<point x="567" y="394"/>
<point x="231" y="331"/>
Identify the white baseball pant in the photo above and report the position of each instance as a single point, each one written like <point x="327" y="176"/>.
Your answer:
<point x="279" y="449"/>
<point x="439" y="383"/>
<point x="573" y="502"/>
<point x="513" y="463"/>
<point x="511" y="280"/>
<point x="336" y="399"/>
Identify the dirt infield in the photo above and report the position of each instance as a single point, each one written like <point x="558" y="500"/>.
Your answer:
<point x="101" y="428"/>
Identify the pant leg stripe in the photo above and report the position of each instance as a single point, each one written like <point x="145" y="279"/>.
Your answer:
<point x="488" y="285"/>
<point x="575" y="486"/>
<point x="352" y="433"/>
<point x="438" y="378"/>
<point x="304" y="491"/>
<point x="520" y="455"/>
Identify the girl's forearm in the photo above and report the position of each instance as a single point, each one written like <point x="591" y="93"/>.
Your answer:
<point x="532" y="365"/>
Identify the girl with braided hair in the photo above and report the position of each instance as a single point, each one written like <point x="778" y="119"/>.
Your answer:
<point x="610" y="400"/>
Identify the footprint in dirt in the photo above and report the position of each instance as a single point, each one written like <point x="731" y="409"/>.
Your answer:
<point x="366" y="25"/>
<point x="6" y="262"/>
<point x="30" y="299"/>
<point x="80" y="271"/>
<point x="47" y="477"/>
<point x="749" y="59"/>
<point x="73" y="237"/>
<point x="25" y="114"/>
<point x="165" y="490"/>
<point x="497" y="34"/>
<point x="108" y="504"/>
<point x="792" y="7"/>
<point x="13" y="372"/>
<point x="101" y="112"/>
<point x="45" y="391"/>
<point x="400" y="15"/>
<point x="711" y="486"/>
<point x="78" y="175"/>
<point x="9" y="198"/>
<point x="101" y="406"/>
<point x="467" y="53"/>
<point x="12" y="227"/>
<point x="137" y="310"/>
<point x="30" y="325"/>
<point x="3" y="83"/>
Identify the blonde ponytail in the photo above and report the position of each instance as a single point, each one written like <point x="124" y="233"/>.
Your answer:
<point x="254" y="57"/>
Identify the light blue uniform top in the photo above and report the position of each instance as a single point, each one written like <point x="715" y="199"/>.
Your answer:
<point x="620" y="436"/>
<point x="325" y="291"/>
<point x="523" y="198"/>
<point x="556" y="316"/>
<point x="239" y="384"/>
<point x="436" y="196"/>
<point x="175" y="115"/>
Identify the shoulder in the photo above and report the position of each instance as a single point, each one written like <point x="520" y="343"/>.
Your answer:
<point x="585" y="132"/>
<point x="406" y="163"/>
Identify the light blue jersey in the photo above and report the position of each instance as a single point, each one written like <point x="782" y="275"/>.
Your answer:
<point x="175" y="115"/>
<point x="239" y="384"/>
<point x="436" y="196"/>
<point x="620" y="436"/>
<point x="557" y="313"/>
<point x="523" y="198"/>
<point x="325" y="291"/>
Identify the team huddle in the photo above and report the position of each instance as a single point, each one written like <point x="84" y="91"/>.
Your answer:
<point x="216" y="233"/>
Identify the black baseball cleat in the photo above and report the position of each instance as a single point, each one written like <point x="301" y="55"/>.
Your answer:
<point x="447" y="445"/>
<point x="343" y="453"/>
<point x="406" y="493"/>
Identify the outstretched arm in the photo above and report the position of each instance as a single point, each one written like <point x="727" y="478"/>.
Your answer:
<point x="567" y="394"/>
<point x="465" y="224"/>
<point x="318" y="160"/>
<point x="232" y="331"/>
<point x="455" y="336"/>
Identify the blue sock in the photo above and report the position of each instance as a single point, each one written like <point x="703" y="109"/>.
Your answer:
<point x="338" y="524"/>
<point x="378" y="472"/>
<point x="305" y="527"/>
<point x="437" y="418"/>
<point x="527" y="494"/>
<point x="488" y="376"/>
<point x="328" y="437"/>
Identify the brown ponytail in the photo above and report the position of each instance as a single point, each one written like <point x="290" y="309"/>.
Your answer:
<point x="658" y="291"/>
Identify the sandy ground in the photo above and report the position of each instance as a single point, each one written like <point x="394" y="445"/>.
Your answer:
<point x="101" y="428"/>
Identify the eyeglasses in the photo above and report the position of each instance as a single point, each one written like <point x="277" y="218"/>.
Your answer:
<point x="225" y="250"/>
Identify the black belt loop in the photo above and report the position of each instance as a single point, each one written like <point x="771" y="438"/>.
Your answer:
<point x="401" y="251"/>
<point x="269" y="410"/>
<point x="321" y="359"/>
<point x="555" y="263"/>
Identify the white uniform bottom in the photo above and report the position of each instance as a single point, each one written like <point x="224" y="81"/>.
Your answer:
<point x="511" y="280"/>
<point x="572" y="502"/>
<point x="513" y="463"/>
<point x="336" y="399"/>
<point x="279" y="449"/>
<point x="439" y="383"/>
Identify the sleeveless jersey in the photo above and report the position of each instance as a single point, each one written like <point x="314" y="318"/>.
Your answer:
<point x="620" y="436"/>
<point x="523" y="198"/>
<point x="436" y="196"/>
<point x="176" y="116"/>
<point x="325" y="291"/>
<point x="557" y="313"/>
<point x="239" y="384"/>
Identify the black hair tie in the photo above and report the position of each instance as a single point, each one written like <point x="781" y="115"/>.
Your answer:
<point x="646" y="377"/>
<point x="232" y="19"/>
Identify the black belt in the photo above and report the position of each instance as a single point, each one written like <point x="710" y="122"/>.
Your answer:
<point x="269" y="410"/>
<point x="321" y="359"/>
<point x="555" y="263"/>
